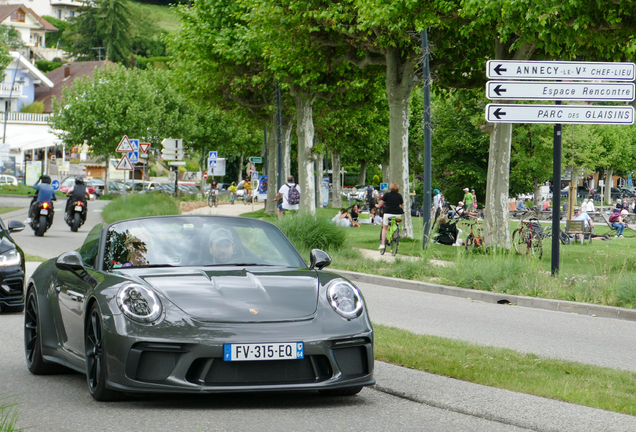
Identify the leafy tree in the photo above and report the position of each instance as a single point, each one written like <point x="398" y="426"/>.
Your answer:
<point x="10" y="37"/>
<point x="61" y="38"/>
<point x="114" y="102"/>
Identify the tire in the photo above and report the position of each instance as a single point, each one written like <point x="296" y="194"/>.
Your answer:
<point x="96" y="356"/>
<point x="537" y="246"/>
<point x="42" y="226"/>
<point x="32" y="341"/>
<point x="395" y="242"/>
<point x="351" y="391"/>
<point x="520" y="242"/>
<point x="209" y="200"/>
<point x="565" y="239"/>
<point x="216" y="201"/>
<point x="469" y="241"/>
<point x="77" y="220"/>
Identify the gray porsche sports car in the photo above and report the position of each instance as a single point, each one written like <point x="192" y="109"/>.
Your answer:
<point x="191" y="304"/>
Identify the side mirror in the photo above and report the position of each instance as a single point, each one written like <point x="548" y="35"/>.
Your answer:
<point x="70" y="261"/>
<point x="319" y="259"/>
<point x="15" y="226"/>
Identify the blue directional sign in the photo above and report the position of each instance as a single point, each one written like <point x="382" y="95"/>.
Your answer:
<point x="55" y="184"/>
<point x="133" y="156"/>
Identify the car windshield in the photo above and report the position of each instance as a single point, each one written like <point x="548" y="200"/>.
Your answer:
<point x="183" y="241"/>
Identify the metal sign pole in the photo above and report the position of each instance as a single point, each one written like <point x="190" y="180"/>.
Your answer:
<point x="556" y="197"/>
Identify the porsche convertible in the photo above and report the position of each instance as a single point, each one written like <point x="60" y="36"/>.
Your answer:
<point x="197" y="304"/>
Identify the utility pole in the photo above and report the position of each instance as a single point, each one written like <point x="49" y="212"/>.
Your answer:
<point x="99" y="52"/>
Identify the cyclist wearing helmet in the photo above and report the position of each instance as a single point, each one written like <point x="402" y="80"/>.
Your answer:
<point x="78" y="192"/>
<point x="232" y="190"/>
<point x="45" y="193"/>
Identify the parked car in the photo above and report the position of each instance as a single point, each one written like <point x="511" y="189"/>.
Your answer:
<point x="167" y="308"/>
<point x="12" y="268"/>
<point x="69" y="182"/>
<point x="6" y="179"/>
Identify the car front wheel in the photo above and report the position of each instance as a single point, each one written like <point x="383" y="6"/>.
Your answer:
<point x="96" y="359"/>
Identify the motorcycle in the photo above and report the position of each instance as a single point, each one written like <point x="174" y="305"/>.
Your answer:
<point x="42" y="217"/>
<point x="75" y="215"/>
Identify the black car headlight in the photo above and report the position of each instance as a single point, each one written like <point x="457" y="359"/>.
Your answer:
<point x="10" y="258"/>
<point x="345" y="299"/>
<point x="139" y="303"/>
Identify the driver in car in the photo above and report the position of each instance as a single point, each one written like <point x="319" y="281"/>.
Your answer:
<point x="221" y="244"/>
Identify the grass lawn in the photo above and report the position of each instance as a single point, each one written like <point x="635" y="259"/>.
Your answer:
<point x="163" y="17"/>
<point x="592" y="386"/>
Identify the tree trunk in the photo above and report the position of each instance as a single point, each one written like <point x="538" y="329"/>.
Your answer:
<point x="496" y="230"/>
<point x="272" y="168"/>
<point x="400" y="81"/>
<point x="106" y="176"/>
<point x="607" y="193"/>
<point x="362" y="179"/>
<point x="537" y="191"/>
<point x="336" y="200"/>
<point x="305" y="134"/>
<point x="240" y="173"/>
<point x="574" y="181"/>
<point x="287" y="131"/>
<point x="386" y="173"/>
<point x="319" y="173"/>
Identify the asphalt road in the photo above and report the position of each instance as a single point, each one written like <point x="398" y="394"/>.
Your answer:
<point x="403" y="399"/>
<point x="59" y="238"/>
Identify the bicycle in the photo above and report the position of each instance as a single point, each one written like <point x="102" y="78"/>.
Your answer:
<point x="392" y="233"/>
<point x="246" y="198"/>
<point x="473" y="240"/>
<point x="528" y="238"/>
<point x="213" y="200"/>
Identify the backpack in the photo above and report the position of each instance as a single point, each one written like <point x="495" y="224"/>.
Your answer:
<point x="447" y="233"/>
<point x="614" y="217"/>
<point x="293" y="196"/>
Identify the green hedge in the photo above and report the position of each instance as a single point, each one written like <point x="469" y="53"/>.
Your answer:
<point x="307" y="232"/>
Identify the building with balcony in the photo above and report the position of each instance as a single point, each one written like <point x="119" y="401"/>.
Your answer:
<point x="60" y="9"/>
<point x="21" y="79"/>
<point x="32" y="27"/>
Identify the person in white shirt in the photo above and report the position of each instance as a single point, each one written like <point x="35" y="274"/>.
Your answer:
<point x="284" y="192"/>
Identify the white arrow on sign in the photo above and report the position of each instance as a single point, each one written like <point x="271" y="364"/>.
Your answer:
<point x="124" y="164"/>
<point x="535" y="90"/>
<point x="551" y="114"/>
<point x="551" y="70"/>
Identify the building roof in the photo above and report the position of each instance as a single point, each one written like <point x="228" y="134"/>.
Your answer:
<point x="7" y="10"/>
<point x="77" y="69"/>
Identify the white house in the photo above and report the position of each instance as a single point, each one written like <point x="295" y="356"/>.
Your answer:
<point x="31" y="26"/>
<point x="60" y="9"/>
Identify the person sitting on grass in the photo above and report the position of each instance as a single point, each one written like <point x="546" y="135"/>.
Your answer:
<point x="343" y="219"/>
<point x="465" y="213"/>
<point x="616" y="219"/>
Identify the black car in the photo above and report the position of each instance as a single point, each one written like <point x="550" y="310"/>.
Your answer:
<point x="197" y="304"/>
<point x="11" y="269"/>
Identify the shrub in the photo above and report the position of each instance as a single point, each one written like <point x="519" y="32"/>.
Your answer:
<point x="36" y="108"/>
<point x="376" y="180"/>
<point x="139" y="206"/>
<point x="306" y="232"/>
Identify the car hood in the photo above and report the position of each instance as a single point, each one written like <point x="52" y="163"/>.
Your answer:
<point x="241" y="295"/>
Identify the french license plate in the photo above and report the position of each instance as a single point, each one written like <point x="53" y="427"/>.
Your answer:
<point x="78" y="208"/>
<point x="267" y="351"/>
<point x="44" y="212"/>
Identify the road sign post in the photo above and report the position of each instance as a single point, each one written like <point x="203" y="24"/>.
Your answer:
<point x="540" y="71"/>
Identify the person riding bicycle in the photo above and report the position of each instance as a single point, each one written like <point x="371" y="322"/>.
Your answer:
<point x="214" y="187"/>
<point x="232" y="190"/>
<point x="78" y="192"/>
<point x="393" y="207"/>
<point x="45" y="193"/>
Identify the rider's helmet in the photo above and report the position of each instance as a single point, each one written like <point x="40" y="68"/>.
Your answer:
<point x="46" y="179"/>
<point x="234" y="184"/>
<point x="79" y="180"/>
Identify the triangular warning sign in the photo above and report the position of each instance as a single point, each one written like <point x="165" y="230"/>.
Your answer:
<point x="124" y="164"/>
<point x="124" y="145"/>
<point x="144" y="147"/>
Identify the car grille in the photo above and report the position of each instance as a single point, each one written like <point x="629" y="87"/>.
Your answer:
<point x="311" y="369"/>
<point x="156" y="366"/>
<point x="352" y="361"/>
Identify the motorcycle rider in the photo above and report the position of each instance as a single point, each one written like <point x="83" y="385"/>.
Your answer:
<point x="78" y="192"/>
<point x="45" y="193"/>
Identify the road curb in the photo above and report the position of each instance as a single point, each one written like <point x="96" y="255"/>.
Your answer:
<point x="492" y="297"/>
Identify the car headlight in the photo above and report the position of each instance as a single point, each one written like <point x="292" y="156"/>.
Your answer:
<point x="139" y="303"/>
<point x="345" y="299"/>
<point x="10" y="258"/>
